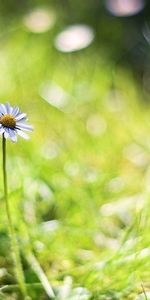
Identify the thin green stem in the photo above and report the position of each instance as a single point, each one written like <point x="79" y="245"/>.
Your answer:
<point x="14" y="243"/>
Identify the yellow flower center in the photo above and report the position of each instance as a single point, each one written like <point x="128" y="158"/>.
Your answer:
<point x="8" y="121"/>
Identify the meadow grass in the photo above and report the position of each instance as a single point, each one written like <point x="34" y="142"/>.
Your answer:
<point x="79" y="189"/>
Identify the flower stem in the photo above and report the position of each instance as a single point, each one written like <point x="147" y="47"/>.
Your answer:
<point x="14" y="243"/>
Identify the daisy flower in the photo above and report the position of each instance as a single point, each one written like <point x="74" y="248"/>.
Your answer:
<point x="13" y="122"/>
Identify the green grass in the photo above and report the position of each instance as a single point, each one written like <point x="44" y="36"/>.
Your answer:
<point x="74" y="166"/>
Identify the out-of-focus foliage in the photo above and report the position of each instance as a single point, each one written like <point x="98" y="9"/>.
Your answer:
<point x="79" y="189"/>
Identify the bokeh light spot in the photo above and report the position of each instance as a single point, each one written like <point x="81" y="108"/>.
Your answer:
<point x="73" y="38"/>
<point x="39" y="20"/>
<point x="122" y="8"/>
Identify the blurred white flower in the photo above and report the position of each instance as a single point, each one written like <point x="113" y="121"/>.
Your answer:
<point x="96" y="125"/>
<point x="39" y="20"/>
<point x="136" y="155"/>
<point x="56" y="96"/>
<point x="50" y="226"/>
<point x="123" y="8"/>
<point x="50" y="150"/>
<point x="74" y="38"/>
<point x="115" y="185"/>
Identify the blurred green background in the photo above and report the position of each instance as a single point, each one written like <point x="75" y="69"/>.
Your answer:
<point x="79" y="189"/>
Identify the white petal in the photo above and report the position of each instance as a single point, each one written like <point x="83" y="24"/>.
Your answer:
<point x="1" y="129"/>
<point x="22" y="134"/>
<point x="20" y="117"/>
<point x="22" y="121"/>
<point x="6" y="133"/>
<point x="24" y="126"/>
<point x="3" y="109"/>
<point x="8" y="108"/>
<point x="15" y="111"/>
<point x="12" y="135"/>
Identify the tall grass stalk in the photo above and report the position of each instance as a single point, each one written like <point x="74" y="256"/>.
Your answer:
<point x="14" y="244"/>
